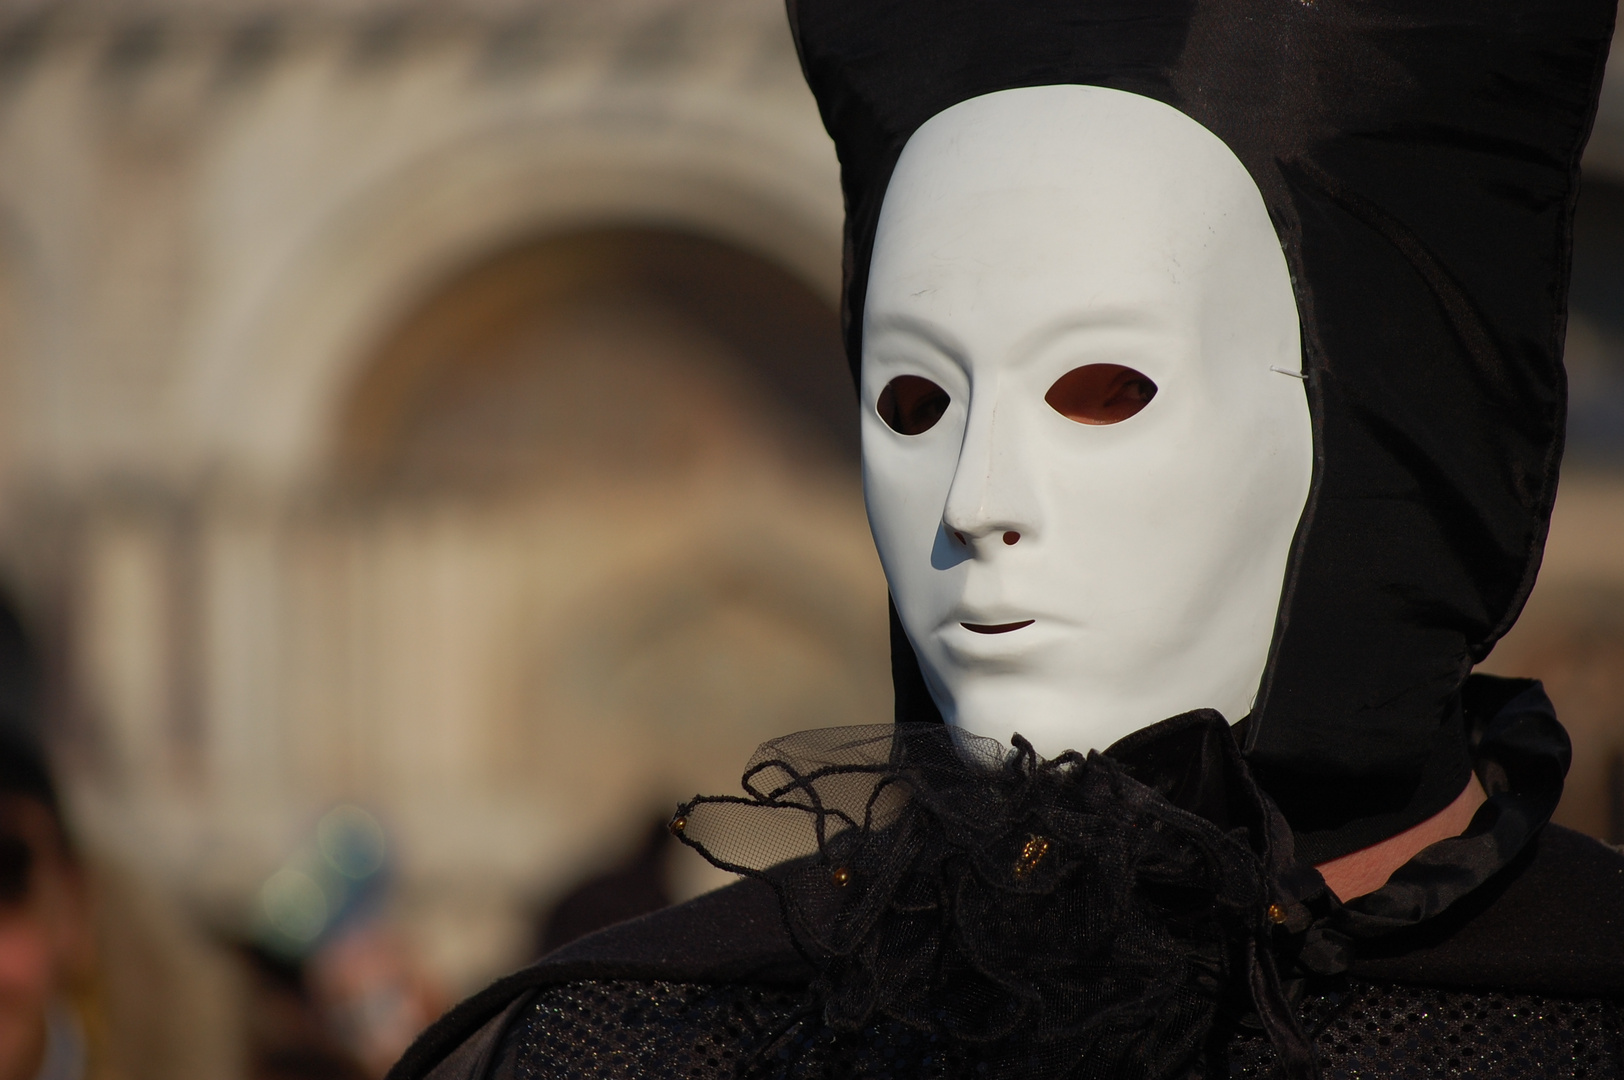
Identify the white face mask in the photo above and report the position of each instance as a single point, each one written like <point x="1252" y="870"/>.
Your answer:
<point x="1074" y="580"/>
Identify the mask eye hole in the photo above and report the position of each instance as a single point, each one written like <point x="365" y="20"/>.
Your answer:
<point x="1100" y="393"/>
<point x="911" y="405"/>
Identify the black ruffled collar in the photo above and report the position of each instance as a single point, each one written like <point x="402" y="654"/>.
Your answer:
<point x="1086" y="916"/>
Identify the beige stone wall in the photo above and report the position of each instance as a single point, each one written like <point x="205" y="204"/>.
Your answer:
<point x="212" y="218"/>
<point x="207" y="214"/>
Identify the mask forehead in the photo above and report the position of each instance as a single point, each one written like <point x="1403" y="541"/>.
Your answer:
<point x="1081" y="216"/>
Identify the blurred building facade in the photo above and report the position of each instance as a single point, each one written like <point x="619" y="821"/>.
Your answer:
<point x="439" y="406"/>
<point x="432" y="406"/>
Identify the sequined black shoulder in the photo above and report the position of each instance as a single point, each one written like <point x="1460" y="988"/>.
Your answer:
<point x="619" y="1030"/>
<point x="1387" y="1030"/>
<point x="643" y="1030"/>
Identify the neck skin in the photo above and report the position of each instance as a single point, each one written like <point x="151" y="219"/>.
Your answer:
<point x="1366" y="870"/>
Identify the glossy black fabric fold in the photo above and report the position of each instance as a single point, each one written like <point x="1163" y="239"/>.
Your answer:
<point x="1420" y="163"/>
<point x="1521" y="755"/>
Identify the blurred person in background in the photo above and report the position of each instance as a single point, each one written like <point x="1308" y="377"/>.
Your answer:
<point x="103" y="975"/>
<point x="373" y="992"/>
<point x="635" y="886"/>
<point x="46" y="938"/>
<point x="337" y="989"/>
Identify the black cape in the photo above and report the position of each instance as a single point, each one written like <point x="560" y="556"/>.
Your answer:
<point x="1552" y="923"/>
<point x="1512" y="905"/>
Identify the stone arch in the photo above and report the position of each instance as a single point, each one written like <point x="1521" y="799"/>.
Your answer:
<point x="684" y="406"/>
<point x="584" y="640"/>
<point x="470" y="389"/>
<point x="269" y="373"/>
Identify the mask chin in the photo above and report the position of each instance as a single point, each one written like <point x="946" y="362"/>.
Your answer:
<point x="1086" y="441"/>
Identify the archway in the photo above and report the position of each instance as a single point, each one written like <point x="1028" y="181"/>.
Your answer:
<point x="595" y="531"/>
<point x="614" y="350"/>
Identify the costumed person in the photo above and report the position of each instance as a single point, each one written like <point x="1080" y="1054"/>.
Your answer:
<point x="1209" y="355"/>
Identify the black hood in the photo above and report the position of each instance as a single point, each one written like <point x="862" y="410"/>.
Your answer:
<point x="1420" y="162"/>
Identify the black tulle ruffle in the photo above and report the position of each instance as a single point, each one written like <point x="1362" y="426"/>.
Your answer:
<point x="1088" y="916"/>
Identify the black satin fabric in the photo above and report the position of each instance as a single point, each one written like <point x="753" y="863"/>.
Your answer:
<point x="1419" y="161"/>
<point x="1521" y="755"/>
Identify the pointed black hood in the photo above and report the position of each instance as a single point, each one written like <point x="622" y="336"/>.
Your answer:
<point x="1420" y="164"/>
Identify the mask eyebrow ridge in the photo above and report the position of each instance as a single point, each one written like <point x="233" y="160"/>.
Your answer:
<point x="937" y="337"/>
<point x="1121" y="319"/>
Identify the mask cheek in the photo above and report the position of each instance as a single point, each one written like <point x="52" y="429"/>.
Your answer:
<point x="1191" y="522"/>
<point x="905" y="487"/>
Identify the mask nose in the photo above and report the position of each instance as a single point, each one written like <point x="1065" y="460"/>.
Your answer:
<point x="991" y="502"/>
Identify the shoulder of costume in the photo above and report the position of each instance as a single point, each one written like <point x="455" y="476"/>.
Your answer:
<point x="732" y="935"/>
<point x="1550" y="923"/>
